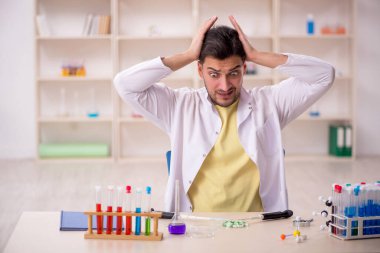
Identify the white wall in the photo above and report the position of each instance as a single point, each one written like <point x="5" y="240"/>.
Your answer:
<point x="17" y="102"/>
<point x="368" y="78"/>
<point x="16" y="79"/>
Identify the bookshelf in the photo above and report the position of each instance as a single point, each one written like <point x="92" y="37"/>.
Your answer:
<point x="140" y="30"/>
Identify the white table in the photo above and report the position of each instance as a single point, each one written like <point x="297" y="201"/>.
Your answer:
<point x="39" y="232"/>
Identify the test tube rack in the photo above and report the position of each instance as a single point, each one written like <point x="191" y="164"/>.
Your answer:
<point x="154" y="235"/>
<point x="354" y="228"/>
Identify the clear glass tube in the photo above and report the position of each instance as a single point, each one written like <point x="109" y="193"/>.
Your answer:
<point x="119" y="209"/>
<point x="138" y="210"/>
<point x="147" y="209"/>
<point x="98" y="202"/>
<point x="110" y="189"/>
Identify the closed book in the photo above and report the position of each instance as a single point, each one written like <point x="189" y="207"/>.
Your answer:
<point x="77" y="221"/>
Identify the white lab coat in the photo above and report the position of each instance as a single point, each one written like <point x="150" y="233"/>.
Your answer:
<point x="193" y="124"/>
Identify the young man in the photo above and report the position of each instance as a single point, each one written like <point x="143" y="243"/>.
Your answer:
<point x="225" y="140"/>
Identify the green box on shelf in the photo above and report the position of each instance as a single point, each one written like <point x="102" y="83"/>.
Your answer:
<point x="73" y="150"/>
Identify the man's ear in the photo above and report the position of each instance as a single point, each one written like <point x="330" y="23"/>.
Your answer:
<point x="245" y="68"/>
<point x="200" y="70"/>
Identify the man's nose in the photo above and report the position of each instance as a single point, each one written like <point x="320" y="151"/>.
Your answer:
<point x="224" y="84"/>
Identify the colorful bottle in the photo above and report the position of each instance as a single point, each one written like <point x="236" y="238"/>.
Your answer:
<point x="310" y="24"/>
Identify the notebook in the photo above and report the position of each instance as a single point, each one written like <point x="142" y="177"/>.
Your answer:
<point x="77" y="221"/>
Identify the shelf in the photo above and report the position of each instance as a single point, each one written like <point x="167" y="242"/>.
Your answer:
<point x="323" y="118"/>
<point x="74" y="79"/>
<point x="55" y="38"/>
<point x="133" y="120"/>
<point x="145" y="159"/>
<point x="180" y="37"/>
<point x="325" y="158"/>
<point x="74" y="119"/>
<point x="315" y="37"/>
<point x="144" y="29"/>
<point x="76" y="160"/>
<point x="249" y="77"/>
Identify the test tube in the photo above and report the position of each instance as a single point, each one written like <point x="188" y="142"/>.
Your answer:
<point x="109" y="209"/>
<point x="98" y="200"/>
<point x="148" y="219"/>
<point x="138" y="210"/>
<point x="119" y="223"/>
<point x="128" y="208"/>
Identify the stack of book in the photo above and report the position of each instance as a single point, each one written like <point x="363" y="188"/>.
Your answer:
<point x="340" y="140"/>
<point x="97" y="24"/>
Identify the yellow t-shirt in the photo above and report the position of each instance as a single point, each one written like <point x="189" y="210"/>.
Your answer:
<point x="228" y="180"/>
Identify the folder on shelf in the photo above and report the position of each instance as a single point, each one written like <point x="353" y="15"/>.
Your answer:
<point x="340" y="140"/>
<point x="77" y="221"/>
<point x="347" y="150"/>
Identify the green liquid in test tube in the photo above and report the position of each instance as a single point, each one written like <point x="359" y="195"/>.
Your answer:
<point x="148" y="219"/>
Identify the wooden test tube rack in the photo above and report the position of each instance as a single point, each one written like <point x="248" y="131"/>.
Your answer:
<point x="154" y="235"/>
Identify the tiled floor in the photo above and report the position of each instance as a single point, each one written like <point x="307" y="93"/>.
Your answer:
<point x="29" y="186"/>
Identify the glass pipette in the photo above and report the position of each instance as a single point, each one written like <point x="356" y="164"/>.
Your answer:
<point x="177" y="226"/>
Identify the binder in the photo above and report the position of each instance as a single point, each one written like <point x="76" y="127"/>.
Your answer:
<point x="340" y="140"/>
<point x="347" y="150"/>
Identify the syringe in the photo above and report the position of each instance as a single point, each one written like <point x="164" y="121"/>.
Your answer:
<point x="128" y="208"/>
<point x="119" y="209"/>
<point x="147" y="219"/>
<point x="98" y="200"/>
<point x="109" y="209"/>
<point x="138" y="210"/>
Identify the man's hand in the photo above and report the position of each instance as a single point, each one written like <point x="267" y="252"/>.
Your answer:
<point x="250" y="51"/>
<point x="267" y="59"/>
<point x="196" y="44"/>
<point x="192" y="54"/>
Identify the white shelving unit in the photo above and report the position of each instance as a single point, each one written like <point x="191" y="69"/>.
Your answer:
<point x="144" y="29"/>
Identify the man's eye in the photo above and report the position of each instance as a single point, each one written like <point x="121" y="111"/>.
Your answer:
<point x="214" y="75"/>
<point x="234" y="73"/>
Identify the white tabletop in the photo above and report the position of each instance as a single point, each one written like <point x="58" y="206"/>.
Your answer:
<point x="39" y="232"/>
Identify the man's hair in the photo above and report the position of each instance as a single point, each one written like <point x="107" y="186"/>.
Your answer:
<point x="221" y="42"/>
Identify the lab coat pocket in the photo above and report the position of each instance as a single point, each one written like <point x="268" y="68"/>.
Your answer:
<point x="269" y="136"/>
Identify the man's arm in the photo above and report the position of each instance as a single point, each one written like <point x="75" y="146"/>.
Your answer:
<point x="178" y="61"/>
<point x="267" y="59"/>
<point x="310" y="78"/>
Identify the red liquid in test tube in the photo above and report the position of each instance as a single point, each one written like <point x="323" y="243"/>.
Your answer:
<point x="119" y="219"/>
<point x="109" y="209"/>
<point x="99" y="218"/>
<point x="128" y="219"/>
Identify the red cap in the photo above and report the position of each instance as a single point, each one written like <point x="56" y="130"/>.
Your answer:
<point x="362" y="183"/>
<point x="338" y="188"/>
<point x="128" y="188"/>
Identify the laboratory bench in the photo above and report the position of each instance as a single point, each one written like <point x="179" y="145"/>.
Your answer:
<point x="39" y="232"/>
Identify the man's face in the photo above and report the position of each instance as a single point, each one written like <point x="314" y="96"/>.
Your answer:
<point x="223" y="78"/>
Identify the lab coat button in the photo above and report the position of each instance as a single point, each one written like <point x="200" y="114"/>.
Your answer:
<point x="191" y="208"/>
<point x="216" y="132"/>
<point x="204" y="155"/>
<point x="250" y="108"/>
<point x="190" y="181"/>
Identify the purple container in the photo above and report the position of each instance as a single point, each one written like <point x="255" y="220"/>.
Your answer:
<point x="177" y="228"/>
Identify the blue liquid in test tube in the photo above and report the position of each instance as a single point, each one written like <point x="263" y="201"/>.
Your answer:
<point x="138" y="210"/>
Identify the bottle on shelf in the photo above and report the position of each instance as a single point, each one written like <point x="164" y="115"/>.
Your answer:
<point x="93" y="111"/>
<point x="310" y="24"/>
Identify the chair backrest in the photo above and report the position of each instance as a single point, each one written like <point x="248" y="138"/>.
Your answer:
<point x="168" y="156"/>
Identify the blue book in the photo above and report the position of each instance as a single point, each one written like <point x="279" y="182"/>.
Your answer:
<point x="77" y="221"/>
